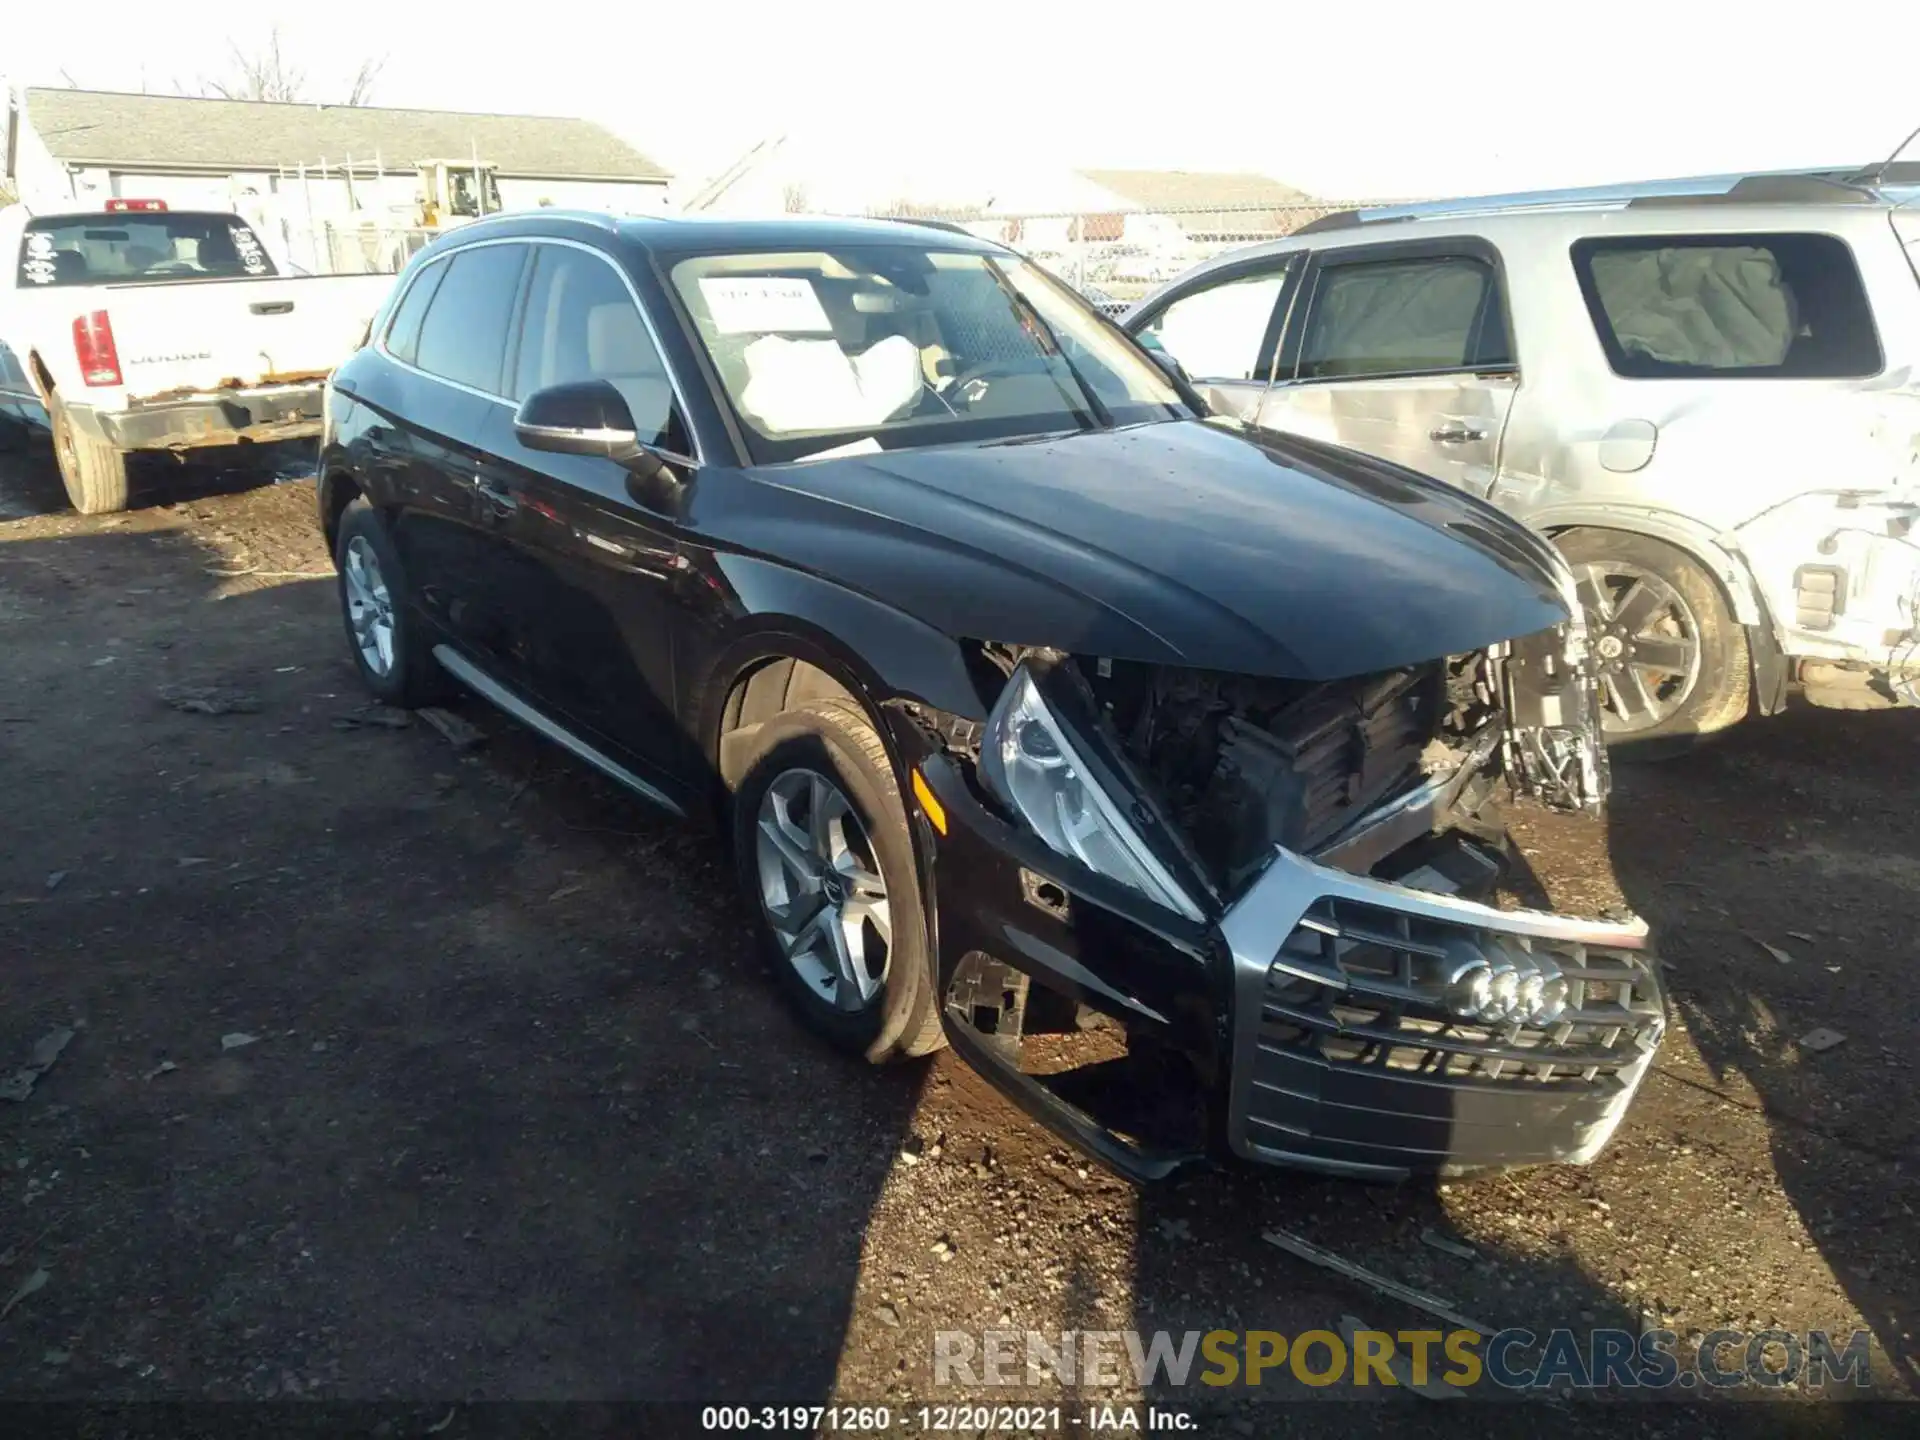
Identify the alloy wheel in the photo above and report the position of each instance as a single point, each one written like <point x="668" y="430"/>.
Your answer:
<point x="1645" y="640"/>
<point x="369" y="606"/>
<point x="821" y="889"/>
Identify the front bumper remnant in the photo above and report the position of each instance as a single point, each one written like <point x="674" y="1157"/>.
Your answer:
<point x="1298" y="1038"/>
<point x="1340" y="1065"/>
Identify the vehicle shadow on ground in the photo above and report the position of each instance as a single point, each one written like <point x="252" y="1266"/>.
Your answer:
<point x="1788" y="880"/>
<point x="400" y="1072"/>
<point x="432" y="1075"/>
<point x="520" y="1116"/>
<point x="30" y="481"/>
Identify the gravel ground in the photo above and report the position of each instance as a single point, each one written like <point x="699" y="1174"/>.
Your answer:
<point x="413" y="1074"/>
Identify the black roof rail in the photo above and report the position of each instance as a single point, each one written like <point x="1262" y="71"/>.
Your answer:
<point x="1898" y="172"/>
<point x="1771" y="190"/>
<point x="1339" y="220"/>
<point x="1838" y="186"/>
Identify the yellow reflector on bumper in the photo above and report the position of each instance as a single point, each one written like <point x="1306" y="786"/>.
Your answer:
<point x="923" y="792"/>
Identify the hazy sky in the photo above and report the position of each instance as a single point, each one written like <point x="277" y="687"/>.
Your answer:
<point x="1360" y="99"/>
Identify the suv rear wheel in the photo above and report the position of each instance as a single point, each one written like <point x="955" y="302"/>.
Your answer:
<point x="822" y="848"/>
<point x="1673" y="661"/>
<point x="393" y="662"/>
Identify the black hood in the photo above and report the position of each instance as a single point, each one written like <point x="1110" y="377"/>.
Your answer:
<point x="1190" y="543"/>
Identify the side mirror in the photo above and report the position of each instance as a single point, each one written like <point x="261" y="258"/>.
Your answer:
<point x="584" y="417"/>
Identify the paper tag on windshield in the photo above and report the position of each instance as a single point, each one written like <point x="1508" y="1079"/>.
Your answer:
<point x="764" y="305"/>
<point x="868" y="446"/>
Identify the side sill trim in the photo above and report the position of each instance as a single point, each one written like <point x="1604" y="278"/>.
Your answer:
<point x="491" y="690"/>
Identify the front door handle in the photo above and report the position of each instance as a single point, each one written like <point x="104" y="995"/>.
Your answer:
<point x="1456" y="434"/>
<point x="498" y="496"/>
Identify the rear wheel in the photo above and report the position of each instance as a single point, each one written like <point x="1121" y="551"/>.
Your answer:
<point x="393" y="661"/>
<point x="94" y="472"/>
<point x="1673" y="661"/>
<point x="823" y="851"/>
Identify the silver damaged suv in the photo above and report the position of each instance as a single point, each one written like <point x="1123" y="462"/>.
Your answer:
<point x="1704" y="390"/>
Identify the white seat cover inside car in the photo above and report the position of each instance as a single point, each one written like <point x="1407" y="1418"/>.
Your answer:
<point x="815" y="385"/>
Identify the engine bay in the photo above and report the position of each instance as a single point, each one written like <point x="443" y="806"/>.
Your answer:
<point x="1247" y="763"/>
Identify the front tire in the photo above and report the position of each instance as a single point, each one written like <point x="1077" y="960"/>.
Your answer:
<point x="393" y="659"/>
<point x="93" y="471"/>
<point x="824" y="854"/>
<point x="1674" y="663"/>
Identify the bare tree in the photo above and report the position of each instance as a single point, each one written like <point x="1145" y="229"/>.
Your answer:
<point x="794" y="199"/>
<point x="360" y="91"/>
<point x="270" y="74"/>
<point x="264" y="75"/>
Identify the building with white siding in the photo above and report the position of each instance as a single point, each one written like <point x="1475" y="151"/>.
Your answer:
<point x="87" y="146"/>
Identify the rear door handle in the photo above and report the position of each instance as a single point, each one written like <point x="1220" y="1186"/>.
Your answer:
<point x="272" y="307"/>
<point x="1456" y="434"/>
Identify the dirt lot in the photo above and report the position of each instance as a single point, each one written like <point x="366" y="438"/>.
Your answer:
<point x="405" y="1073"/>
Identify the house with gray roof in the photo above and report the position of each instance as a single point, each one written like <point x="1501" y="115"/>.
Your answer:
<point x="90" y="145"/>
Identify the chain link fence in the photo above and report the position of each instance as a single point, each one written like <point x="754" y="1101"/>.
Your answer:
<point x="347" y="247"/>
<point x="1112" y="257"/>
<point x="1115" y="257"/>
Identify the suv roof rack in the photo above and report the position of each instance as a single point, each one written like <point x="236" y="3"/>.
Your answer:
<point x="1841" y="185"/>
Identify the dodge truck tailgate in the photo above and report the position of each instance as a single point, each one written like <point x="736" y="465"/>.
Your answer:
<point x="202" y="335"/>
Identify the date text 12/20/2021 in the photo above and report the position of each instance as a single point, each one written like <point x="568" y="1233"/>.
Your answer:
<point x="942" y="1419"/>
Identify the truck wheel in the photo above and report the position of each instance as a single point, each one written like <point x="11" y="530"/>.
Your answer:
<point x="393" y="659"/>
<point x="94" y="472"/>
<point x="1673" y="661"/>
<point x="823" y="852"/>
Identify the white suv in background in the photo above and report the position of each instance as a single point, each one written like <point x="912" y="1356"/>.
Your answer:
<point x="1708" y="393"/>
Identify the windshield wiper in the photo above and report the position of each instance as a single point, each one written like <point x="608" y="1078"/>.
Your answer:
<point x="1028" y="316"/>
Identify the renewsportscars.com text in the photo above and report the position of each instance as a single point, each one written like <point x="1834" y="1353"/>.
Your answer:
<point x="1513" y="1359"/>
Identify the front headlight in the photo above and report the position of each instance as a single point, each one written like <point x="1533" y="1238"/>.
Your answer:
<point x="1028" y="762"/>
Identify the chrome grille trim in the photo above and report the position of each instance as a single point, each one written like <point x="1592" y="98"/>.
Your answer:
<point x="1321" y="1046"/>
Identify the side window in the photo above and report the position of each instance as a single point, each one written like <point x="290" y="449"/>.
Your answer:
<point x="581" y="323"/>
<point x="1404" y="317"/>
<point x="1218" y="333"/>
<point x="464" y="335"/>
<point x="403" y="332"/>
<point x="1765" y="306"/>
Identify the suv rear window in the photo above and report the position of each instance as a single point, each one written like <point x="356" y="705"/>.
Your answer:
<point x="1728" y="306"/>
<point x="105" y="249"/>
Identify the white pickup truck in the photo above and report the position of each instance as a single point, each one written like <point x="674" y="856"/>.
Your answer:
<point x="139" y="328"/>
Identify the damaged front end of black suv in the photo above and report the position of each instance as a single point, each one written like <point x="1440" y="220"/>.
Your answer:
<point x="1181" y="910"/>
<point x="1204" y="783"/>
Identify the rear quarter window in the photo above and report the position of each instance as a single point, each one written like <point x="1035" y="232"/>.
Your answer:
<point x="403" y="333"/>
<point x="1772" y="306"/>
<point x="464" y="335"/>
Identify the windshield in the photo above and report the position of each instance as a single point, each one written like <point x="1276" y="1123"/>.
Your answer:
<point x="884" y="347"/>
<point x="103" y="249"/>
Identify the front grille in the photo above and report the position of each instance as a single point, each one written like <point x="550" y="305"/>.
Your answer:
<point x="1346" y="984"/>
<point x="1355" y="1056"/>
